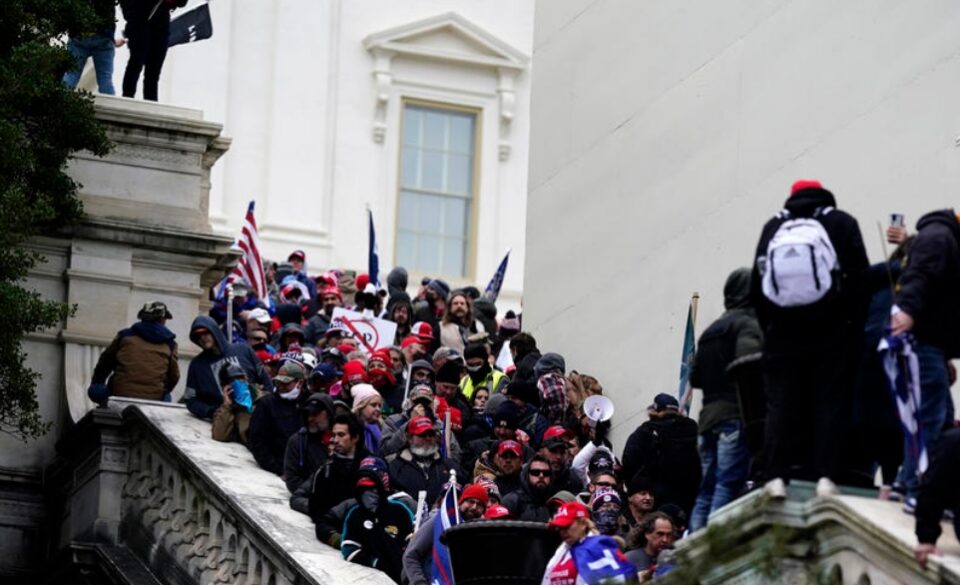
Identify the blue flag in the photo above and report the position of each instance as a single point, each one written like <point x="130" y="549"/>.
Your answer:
<point x="599" y="561"/>
<point x="685" y="392"/>
<point x="493" y="288"/>
<point x="373" y="268"/>
<point x="902" y="367"/>
<point x="447" y="515"/>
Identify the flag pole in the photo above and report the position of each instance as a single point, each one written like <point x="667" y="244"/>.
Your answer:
<point x="694" y="303"/>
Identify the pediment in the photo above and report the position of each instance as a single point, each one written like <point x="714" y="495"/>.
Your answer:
<point x="448" y="37"/>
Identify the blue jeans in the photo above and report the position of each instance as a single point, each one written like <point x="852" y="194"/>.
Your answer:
<point x="726" y="462"/>
<point x="936" y="408"/>
<point x="102" y="50"/>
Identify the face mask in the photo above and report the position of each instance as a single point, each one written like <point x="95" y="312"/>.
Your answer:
<point x="291" y="395"/>
<point x="607" y="521"/>
<point x="474" y="369"/>
<point x="370" y="500"/>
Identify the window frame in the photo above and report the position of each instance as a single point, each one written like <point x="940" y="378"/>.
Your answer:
<point x="470" y="252"/>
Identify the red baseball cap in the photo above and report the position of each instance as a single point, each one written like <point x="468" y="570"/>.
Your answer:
<point x="568" y="513"/>
<point x="802" y="184"/>
<point x="354" y="372"/>
<point x="423" y="330"/>
<point x="510" y="446"/>
<point x="557" y="431"/>
<point x="496" y="512"/>
<point x="420" y="425"/>
<point x="410" y="340"/>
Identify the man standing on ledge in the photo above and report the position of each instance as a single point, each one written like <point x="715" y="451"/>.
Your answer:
<point x="807" y="288"/>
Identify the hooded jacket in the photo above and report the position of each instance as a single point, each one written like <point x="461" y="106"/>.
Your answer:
<point x="397" y="281"/>
<point x="332" y="482"/>
<point x="143" y="361"/>
<point x="838" y="318"/>
<point x="377" y="539"/>
<point x="203" y="393"/>
<point x="929" y="287"/>
<point x="665" y="448"/>
<point x="735" y="334"/>
<point x="527" y="504"/>
<point x="407" y="474"/>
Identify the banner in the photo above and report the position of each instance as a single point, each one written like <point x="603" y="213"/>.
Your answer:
<point x="191" y="26"/>
<point x="371" y="333"/>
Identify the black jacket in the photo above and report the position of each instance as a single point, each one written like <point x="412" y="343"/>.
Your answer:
<point x="304" y="454"/>
<point x="664" y="450"/>
<point x="273" y="422"/>
<point x="526" y="504"/>
<point x="735" y="334"/>
<point x="378" y="539"/>
<point x="929" y="287"/>
<point x="837" y="319"/>
<point x="332" y="483"/>
<point x="940" y="489"/>
<point x="406" y="475"/>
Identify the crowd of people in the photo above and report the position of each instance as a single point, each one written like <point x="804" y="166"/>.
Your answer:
<point x="368" y="443"/>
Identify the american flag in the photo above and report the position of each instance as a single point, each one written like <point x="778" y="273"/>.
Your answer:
<point x="250" y="266"/>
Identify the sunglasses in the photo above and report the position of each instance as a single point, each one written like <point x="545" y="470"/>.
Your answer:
<point x="539" y="472"/>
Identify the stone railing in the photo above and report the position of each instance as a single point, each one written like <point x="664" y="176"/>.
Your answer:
<point x="836" y="540"/>
<point x="148" y="477"/>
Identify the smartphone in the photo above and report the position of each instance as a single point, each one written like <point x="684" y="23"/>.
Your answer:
<point x="897" y="220"/>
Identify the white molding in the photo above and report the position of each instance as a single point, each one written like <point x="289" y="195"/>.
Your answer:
<point x="400" y="41"/>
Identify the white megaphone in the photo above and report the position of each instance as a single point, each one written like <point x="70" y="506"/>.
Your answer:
<point x="598" y="408"/>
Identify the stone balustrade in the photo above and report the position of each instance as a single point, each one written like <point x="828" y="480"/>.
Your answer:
<point x="148" y="477"/>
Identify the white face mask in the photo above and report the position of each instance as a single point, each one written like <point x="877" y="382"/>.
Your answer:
<point x="291" y="394"/>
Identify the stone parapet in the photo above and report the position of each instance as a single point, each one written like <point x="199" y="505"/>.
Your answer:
<point x="147" y="477"/>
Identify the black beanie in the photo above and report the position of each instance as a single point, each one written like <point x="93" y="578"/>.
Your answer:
<point x="525" y="391"/>
<point x="475" y="350"/>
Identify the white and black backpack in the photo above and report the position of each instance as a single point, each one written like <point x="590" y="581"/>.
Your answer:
<point x="801" y="262"/>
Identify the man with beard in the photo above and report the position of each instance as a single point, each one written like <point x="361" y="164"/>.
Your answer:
<point x="417" y="559"/>
<point x="479" y="372"/>
<point x="536" y="486"/>
<point x="504" y="461"/>
<point x="332" y="483"/>
<point x="307" y="449"/>
<point x="556" y="451"/>
<point x="458" y="322"/>
<point x="276" y="417"/>
<point x="420" y="466"/>
<point x="330" y="299"/>
<point x="376" y="528"/>
<point x="430" y="309"/>
<point x="505" y="421"/>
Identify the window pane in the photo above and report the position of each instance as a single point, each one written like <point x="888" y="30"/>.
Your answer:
<point x="431" y="209"/>
<point x="407" y="213"/>
<point x="412" y="119"/>
<point x="429" y="254"/>
<point x="409" y="165"/>
<point x="432" y="170"/>
<point x="434" y="130"/>
<point x="453" y="252"/>
<point x="455" y="217"/>
<point x="406" y="249"/>
<point x="458" y="174"/>
<point x="461" y="133"/>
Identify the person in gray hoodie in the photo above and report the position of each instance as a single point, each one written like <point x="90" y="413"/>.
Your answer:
<point x="203" y="394"/>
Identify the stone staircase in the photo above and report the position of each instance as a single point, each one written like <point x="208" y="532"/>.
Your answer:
<point x="150" y="497"/>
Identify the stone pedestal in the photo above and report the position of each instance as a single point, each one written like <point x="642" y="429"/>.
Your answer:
<point x="145" y="236"/>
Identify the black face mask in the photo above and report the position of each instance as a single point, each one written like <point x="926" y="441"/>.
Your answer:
<point x="422" y="356"/>
<point x="260" y="346"/>
<point x="370" y="500"/>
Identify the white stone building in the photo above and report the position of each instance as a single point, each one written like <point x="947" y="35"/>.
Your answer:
<point x="418" y="109"/>
<point x="665" y="133"/>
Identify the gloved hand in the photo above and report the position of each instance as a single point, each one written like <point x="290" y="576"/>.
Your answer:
<point x="600" y="433"/>
<point x="99" y="393"/>
<point x="335" y="540"/>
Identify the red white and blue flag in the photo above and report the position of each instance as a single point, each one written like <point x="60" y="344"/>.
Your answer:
<point x="250" y="266"/>
<point x="447" y="515"/>
<point x="902" y="367"/>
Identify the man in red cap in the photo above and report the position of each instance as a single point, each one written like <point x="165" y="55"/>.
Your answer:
<point x="555" y="448"/>
<point x="329" y="299"/>
<point x="807" y="286"/>
<point x="420" y="466"/>
<point x="472" y="504"/>
<point x="298" y="262"/>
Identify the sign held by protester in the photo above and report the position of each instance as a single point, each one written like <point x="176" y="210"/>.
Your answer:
<point x="371" y="333"/>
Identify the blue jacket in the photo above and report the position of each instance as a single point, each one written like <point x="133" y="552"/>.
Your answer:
<point x="203" y="394"/>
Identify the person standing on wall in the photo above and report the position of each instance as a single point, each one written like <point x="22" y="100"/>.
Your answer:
<point x="147" y="33"/>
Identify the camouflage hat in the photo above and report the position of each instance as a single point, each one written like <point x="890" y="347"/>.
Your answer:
<point x="154" y="311"/>
<point x="290" y="371"/>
